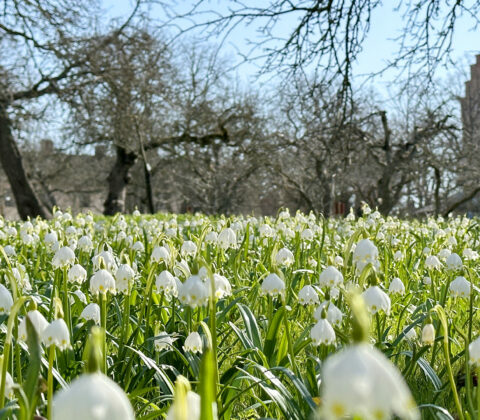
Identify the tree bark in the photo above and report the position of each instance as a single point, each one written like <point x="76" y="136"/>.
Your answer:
<point x="26" y="200"/>
<point x="118" y="180"/>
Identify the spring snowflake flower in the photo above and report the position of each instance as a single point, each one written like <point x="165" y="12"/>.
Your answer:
<point x="138" y="247"/>
<point x="56" y="333"/>
<point x="433" y="262"/>
<point x="398" y="256"/>
<point x="376" y="300"/>
<point x="192" y="405"/>
<point x="284" y="257"/>
<point x="338" y="260"/>
<point x="444" y="253"/>
<point x="460" y="287"/>
<point x="307" y="235"/>
<point x="272" y="285"/>
<point x="211" y="237"/>
<point x="474" y="352"/>
<point x="193" y="343"/>
<point x="107" y="258"/>
<point x="92" y="396"/>
<point x="165" y="283"/>
<point x="160" y="253"/>
<point x="322" y="333"/>
<point x="38" y="321"/>
<point x="469" y="254"/>
<point x="308" y="296"/>
<point x="6" y="300"/>
<point x="77" y="274"/>
<point x="330" y="277"/>
<point x="64" y="257"/>
<point x="227" y="239"/>
<point x="454" y="262"/>
<point x="223" y="287"/>
<point x="81" y="296"/>
<point x="334" y="315"/>
<point x="85" y="244"/>
<point x="194" y="292"/>
<point x="266" y="231"/>
<point x="163" y="342"/>
<point x="102" y="282"/>
<point x="411" y="334"/>
<point x="365" y="253"/>
<point x="396" y="286"/>
<point x="188" y="248"/>
<point x="91" y="312"/>
<point x="50" y="238"/>
<point x="428" y="334"/>
<point x="124" y="278"/>
<point x="9" y="250"/>
<point x="361" y="382"/>
<point x="427" y="281"/>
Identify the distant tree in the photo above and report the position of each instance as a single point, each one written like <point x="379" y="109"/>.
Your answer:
<point x="43" y="49"/>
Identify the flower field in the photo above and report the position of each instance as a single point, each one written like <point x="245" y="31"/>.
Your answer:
<point x="196" y="317"/>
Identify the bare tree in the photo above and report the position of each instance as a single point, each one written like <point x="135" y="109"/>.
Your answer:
<point x="44" y="47"/>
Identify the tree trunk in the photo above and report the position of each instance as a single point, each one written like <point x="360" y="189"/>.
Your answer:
<point x="118" y="180"/>
<point x="27" y="202"/>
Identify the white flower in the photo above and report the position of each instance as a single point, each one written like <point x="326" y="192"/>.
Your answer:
<point x="334" y="315"/>
<point x="330" y="277"/>
<point x="308" y="296"/>
<point x="102" y="282"/>
<point x="365" y="253"/>
<point x="227" y="238"/>
<point x="411" y="334"/>
<point x="427" y="281"/>
<point x="474" y="352"/>
<point x="307" y="235"/>
<point x="92" y="396"/>
<point x="108" y="259"/>
<point x="376" y="300"/>
<point x="77" y="274"/>
<point x="272" y="285"/>
<point x="192" y="406"/>
<point x="454" y="262"/>
<point x="138" y="246"/>
<point x="81" y="296"/>
<point x="193" y="343"/>
<point x="470" y="254"/>
<point x="6" y="300"/>
<point x="193" y="292"/>
<point x="9" y="385"/>
<point x="211" y="237"/>
<point x="361" y="382"/>
<point x="222" y="286"/>
<point x="160" y="253"/>
<point x="266" y="231"/>
<point x="428" y="334"/>
<point x="64" y="257"/>
<point x="398" y="256"/>
<point x="124" y="278"/>
<point x="460" y="287"/>
<point x="181" y="269"/>
<point x="50" y="238"/>
<point x="322" y="333"/>
<point x="433" y="262"/>
<point x="188" y="248"/>
<point x="284" y="257"/>
<point x="444" y="253"/>
<point x="38" y="321"/>
<point x="338" y="261"/>
<point x="56" y="333"/>
<point x="91" y="312"/>
<point x="164" y="341"/>
<point x="166" y="283"/>
<point x="396" y="286"/>
<point x="9" y="250"/>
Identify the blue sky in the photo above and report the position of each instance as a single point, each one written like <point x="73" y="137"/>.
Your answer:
<point x="377" y="48"/>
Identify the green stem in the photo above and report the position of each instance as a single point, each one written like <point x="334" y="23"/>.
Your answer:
<point x="103" y="324"/>
<point x="66" y="303"/>
<point x="126" y="319"/>
<point x="289" y="339"/>
<point x="8" y="343"/>
<point x="149" y="288"/>
<point x="51" y="358"/>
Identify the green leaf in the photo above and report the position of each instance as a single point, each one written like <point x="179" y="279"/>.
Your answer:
<point x="207" y="387"/>
<point x="251" y="325"/>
